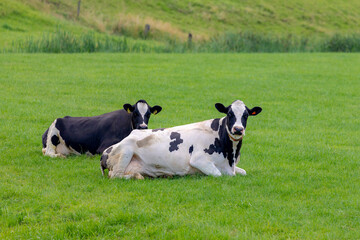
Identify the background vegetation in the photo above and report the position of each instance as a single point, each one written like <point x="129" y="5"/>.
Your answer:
<point x="226" y="26"/>
<point x="301" y="153"/>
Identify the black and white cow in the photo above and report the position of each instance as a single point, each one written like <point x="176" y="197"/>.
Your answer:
<point x="92" y="135"/>
<point x="210" y="147"/>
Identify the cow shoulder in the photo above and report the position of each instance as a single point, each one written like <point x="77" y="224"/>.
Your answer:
<point x="219" y="140"/>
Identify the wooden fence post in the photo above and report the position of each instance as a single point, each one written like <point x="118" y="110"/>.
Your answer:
<point x="78" y="9"/>
<point x="146" y="30"/>
<point x="190" y="40"/>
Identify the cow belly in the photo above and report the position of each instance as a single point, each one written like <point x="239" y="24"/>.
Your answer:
<point x="159" y="167"/>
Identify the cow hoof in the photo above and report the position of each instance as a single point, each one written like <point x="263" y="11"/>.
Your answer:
<point x="241" y="172"/>
<point x="60" y="155"/>
<point x="54" y="155"/>
<point x="133" y="176"/>
<point x="138" y="176"/>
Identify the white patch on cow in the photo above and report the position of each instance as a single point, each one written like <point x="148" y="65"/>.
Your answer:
<point x="143" y="108"/>
<point x="238" y="108"/>
<point x="62" y="149"/>
<point x="50" y="149"/>
<point x="235" y="143"/>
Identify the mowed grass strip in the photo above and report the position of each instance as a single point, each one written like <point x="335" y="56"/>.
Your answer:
<point x="301" y="153"/>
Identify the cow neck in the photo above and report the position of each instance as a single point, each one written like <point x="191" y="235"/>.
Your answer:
<point x="131" y="120"/>
<point x="230" y="148"/>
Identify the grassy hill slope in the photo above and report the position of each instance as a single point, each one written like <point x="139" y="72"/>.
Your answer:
<point x="175" y="19"/>
<point x="19" y="21"/>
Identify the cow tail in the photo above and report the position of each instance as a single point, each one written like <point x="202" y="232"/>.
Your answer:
<point x="103" y="164"/>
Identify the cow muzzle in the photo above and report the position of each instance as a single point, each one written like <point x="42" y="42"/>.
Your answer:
<point x="238" y="131"/>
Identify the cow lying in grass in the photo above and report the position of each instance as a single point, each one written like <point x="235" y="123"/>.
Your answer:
<point x="92" y="135"/>
<point x="210" y="147"/>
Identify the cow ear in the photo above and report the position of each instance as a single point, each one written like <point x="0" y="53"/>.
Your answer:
<point x="155" y="109"/>
<point x="129" y="108"/>
<point x="254" y="111"/>
<point x="221" y="108"/>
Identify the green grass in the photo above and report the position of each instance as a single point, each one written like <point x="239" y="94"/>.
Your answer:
<point x="301" y="153"/>
<point x="173" y="20"/>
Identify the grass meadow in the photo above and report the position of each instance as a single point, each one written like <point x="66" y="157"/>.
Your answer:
<point x="301" y="153"/>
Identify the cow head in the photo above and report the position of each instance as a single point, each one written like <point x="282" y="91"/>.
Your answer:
<point x="141" y="112"/>
<point x="236" y="118"/>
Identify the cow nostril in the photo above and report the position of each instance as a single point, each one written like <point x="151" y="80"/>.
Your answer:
<point x="238" y="130"/>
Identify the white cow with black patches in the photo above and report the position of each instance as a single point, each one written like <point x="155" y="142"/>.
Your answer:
<point x="210" y="147"/>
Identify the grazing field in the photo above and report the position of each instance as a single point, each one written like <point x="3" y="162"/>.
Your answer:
<point x="301" y="153"/>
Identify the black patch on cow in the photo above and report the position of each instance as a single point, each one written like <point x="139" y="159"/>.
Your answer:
<point x="215" y="124"/>
<point x="237" y="153"/>
<point x="108" y="150"/>
<point x="230" y="119"/>
<point x="223" y="145"/>
<point x="244" y="118"/>
<point x="94" y="134"/>
<point x="158" y="129"/>
<point x="174" y="144"/>
<point x="55" y="140"/>
<point x="215" y="147"/>
<point x="191" y="149"/>
<point x="44" y="138"/>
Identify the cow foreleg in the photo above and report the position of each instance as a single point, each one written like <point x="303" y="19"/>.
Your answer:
<point x="240" y="171"/>
<point x="205" y="166"/>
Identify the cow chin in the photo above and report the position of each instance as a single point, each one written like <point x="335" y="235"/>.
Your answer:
<point x="141" y="127"/>
<point x="235" y="137"/>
